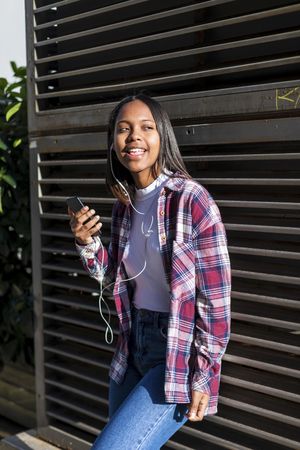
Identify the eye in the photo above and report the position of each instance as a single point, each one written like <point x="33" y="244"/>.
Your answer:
<point x="122" y="130"/>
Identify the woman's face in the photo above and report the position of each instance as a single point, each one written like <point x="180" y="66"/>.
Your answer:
<point x="136" y="141"/>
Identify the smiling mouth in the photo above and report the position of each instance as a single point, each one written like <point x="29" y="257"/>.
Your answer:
<point x="135" y="151"/>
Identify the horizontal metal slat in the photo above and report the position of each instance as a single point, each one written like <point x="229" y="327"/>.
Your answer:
<point x="54" y="233"/>
<point x="223" y="203"/>
<point x="70" y="318"/>
<point x="187" y="159"/>
<point x="262" y="228"/>
<point x="242" y="157"/>
<point x="75" y="407"/>
<point x="260" y="411"/>
<point x="78" y="352"/>
<point x="77" y="372"/>
<point x="99" y="181"/>
<point x="266" y="277"/>
<point x="65" y="217"/>
<point x="210" y="438"/>
<point x="266" y="321"/>
<point x="73" y="162"/>
<point x="257" y="204"/>
<point x="78" y="391"/>
<point x="64" y="417"/>
<point x="265" y="343"/>
<point x="246" y="296"/>
<point x="176" y="446"/>
<point x="254" y="432"/>
<point x="54" y="5"/>
<point x="72" y="302"/>
<point x="225" y="181"/>
<point x="76" y="388"/>
<point x="63" y="283"/>
<point x="263" y="252"/>
<point x="74" y="285"/>
<point x="171" y="55"/>
<point x="75" y="336"/>
<point x="234" y="381"/>
<point x="70" y="143"/>
<point x="60" y="250"/>
<point x="252" y="181"/>
<point x="63" y="268"/>
<point x="56" y="198"/>
<point x="168" y="79"/>
<point x="254" y="362"/>
<point x="163" y="35"/>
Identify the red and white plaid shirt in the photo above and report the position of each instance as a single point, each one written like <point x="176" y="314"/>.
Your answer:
<point x="193" y="246"/>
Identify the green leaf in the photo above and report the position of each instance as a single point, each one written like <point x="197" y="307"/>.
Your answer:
<point x="14" y="85"/>
<point x="13" y="66"/>
<point x="3" y="146"/>
<point x="3" y="83"/>
<point x="13" y="110"/>
<point x="17" y="142"/>
<point x="9" y="180"/>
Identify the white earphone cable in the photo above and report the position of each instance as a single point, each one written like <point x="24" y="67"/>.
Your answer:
<point x="109" y="335"/>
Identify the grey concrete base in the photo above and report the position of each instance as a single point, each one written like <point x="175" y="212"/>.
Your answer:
<point x="41" y="438"/>
<point x="25" y="440"/>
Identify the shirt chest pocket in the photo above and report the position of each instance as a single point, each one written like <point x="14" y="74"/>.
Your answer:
<point x="183" y="283"/>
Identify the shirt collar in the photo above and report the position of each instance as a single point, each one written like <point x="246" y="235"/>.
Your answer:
<point x="176" y="182"/>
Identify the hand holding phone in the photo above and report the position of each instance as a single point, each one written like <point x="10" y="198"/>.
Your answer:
<point x="84" y="224"/>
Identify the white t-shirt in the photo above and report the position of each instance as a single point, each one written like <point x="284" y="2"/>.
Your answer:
<point x="151" y="290"/>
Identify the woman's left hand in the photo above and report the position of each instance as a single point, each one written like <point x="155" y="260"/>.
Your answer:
<point x="197" y="406"/>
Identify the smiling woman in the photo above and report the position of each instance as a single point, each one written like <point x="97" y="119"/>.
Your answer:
<point x="137" y="142"/>
<point x="153" y="127"/>
<point x="168" y="243"/>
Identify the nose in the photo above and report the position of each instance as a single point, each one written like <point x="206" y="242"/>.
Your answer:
<point x="133" y="135"/>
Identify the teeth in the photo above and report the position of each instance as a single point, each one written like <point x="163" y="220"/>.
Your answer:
<point x="136" y="150"/>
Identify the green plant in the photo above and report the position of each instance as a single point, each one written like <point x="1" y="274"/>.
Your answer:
<point x="16" y="309"/>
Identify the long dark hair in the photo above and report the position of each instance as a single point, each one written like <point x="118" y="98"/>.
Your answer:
<point x="169" y="156"/>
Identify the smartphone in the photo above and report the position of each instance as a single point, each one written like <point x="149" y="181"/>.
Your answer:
<point x="75" y="204"/>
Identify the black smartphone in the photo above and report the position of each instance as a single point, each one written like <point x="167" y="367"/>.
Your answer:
<point x="75" y="204"/>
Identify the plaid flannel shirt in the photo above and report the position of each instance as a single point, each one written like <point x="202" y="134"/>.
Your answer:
<point x="193" y="246"/>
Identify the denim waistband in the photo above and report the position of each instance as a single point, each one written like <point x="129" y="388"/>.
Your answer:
<point x="147" y="316"/>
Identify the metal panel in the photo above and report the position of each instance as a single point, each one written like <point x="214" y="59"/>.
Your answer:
<point x="229" y="78"/>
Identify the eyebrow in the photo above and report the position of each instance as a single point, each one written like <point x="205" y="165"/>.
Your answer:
<point x="128" y="121"/>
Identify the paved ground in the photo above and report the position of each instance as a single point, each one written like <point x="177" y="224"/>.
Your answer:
<point x="8" y="428"/>
<point x="26" y="440"/>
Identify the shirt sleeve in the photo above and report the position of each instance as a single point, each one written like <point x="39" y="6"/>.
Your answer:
<point x="213" y="292"/>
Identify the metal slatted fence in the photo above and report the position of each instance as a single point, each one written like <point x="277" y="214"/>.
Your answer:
<point x="227" y="73"/>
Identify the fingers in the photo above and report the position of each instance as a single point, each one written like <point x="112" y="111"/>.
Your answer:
<point x="197" y="407"/>
<point x="84" y="224"/>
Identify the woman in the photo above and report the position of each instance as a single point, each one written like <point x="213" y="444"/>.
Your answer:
<point x="170" y="267"/>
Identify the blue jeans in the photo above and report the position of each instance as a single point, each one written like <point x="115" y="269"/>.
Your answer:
<point x="140" y="419"/>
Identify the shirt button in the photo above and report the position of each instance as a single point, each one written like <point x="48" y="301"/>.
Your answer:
<point x="163" y="237"/>
<point x="162" y="213"/>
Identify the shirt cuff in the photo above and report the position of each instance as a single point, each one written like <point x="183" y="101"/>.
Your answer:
<point x="201" y="382"/>
<point x="89" y="250"/>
